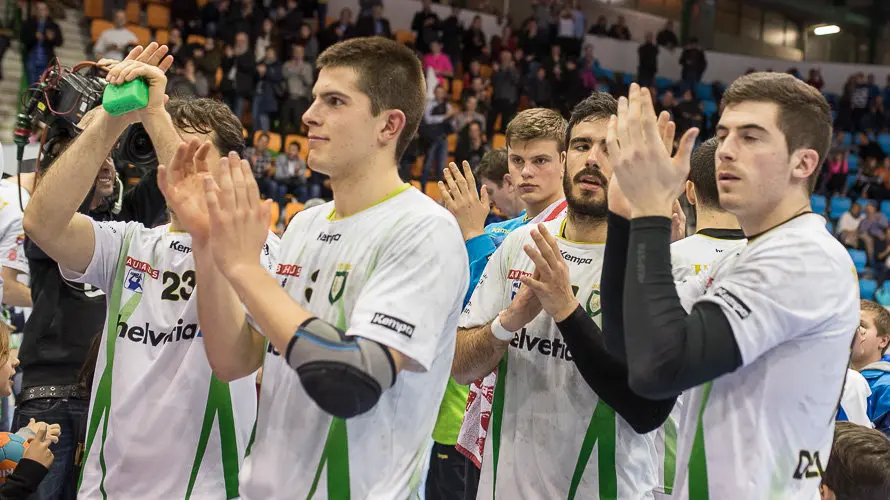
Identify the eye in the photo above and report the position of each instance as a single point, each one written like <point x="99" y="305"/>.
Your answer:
<point x="582" y="148"/>
<point x="541" y="161"/>
<point x="334" y="101"/>
<point x="750" y="138"/>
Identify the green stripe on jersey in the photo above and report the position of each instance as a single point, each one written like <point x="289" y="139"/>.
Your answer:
<point x="698" y="465"/>
<point x="670" y="454"/>
<point x="219" y="404"/>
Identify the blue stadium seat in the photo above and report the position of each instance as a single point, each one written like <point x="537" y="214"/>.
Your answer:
<point x="602" y="87"/>
<point x="860" y="259"/>
<point x="628" y="78"/>
<point x="818" y="203"/>
<point x="839" y="205"/>
<point x="604" y="73"/>
<point x="710" y="108"/>
<point x="829" y="226"/>
<point x="851" y="179"/>
<point x="853" y="162"/>
<point x="704" y="92"/>
<point x="882" y="296"/>
<point x="885" y="208"/>
<point x="867" y="289"/>
<point x="848" y="138"/>
<point x="663" y="83"/>
<point x="884" y="142"/>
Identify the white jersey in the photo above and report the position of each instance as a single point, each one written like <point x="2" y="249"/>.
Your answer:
<point x="765" y="430"/>
<point x="12" y="238"/>
<point x="160" y="425"/>
<point x="854" y="401"/>
<point x="689" y="257"/>
<point x="550" y="434"/>
<point x="693" y="254"/>
<point x="394" y="273"/>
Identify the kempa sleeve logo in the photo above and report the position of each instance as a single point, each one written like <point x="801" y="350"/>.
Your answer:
<point x="733" y="302"/>
<point x="394" y="324"/>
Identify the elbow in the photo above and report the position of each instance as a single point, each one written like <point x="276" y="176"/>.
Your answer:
<point x="650" y="383"/>
<point x="31" y="224"/>
<point x="224" y="373"/>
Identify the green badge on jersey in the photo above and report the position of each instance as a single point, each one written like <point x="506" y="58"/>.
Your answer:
<point x="593" y="303"/>
<point x="339" y="282"/>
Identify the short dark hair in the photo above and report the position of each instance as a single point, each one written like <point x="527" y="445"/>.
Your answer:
<point x="389" y="73"/>
<point x="703" y="176"/>
<point x="295" y="143"/>
<point x="598" y="105"/>
<point x="804" y="115"/>
<point x="493" y="166"/>
<point x="211" y="117"/>
<point x="859" y="465"/>
<point x="881" y="317"/>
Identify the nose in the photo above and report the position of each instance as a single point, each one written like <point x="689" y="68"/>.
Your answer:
<point x="726" y="150"/>
<point x="310" y="117"/>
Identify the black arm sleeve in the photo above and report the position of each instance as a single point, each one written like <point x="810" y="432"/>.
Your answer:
<point x="612" y="284"/>
<point x="144" y="203"/>
<point x="23" y="481"/>
<point x="607" y="375"/>
<point x="671" y="351"/>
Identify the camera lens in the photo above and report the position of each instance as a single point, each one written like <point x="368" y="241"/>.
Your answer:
<point x="135" y="148"/>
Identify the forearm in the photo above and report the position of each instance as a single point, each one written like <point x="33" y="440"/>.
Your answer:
<point x="673" y="351"/>
<point x="70" y="178"/>
<point x="612" y="284"/>
<point x="15" y="294"/>
<point x="163" y="134"/>
<point x="233" y="349"/>
<point x="607" y="375"/>
<point x="476" y="354"/>
<point x="276" y="313"/>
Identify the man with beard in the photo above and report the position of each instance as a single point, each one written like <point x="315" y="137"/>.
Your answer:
<point x="558" y="384"/>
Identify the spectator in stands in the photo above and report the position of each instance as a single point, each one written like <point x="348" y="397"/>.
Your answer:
<point x="473" y="41"/>
<point x="859" y="465"/>
<point x="835" y="174"/>
<point x="483" y="97"/>
<point x="648" y="64"/>
<point x="270" y="87"/>
<point x="290" y="176"/>
<point x="867" y="176"/>
<point x="554" y="59"/>
<point x="260" y="158"/>
<point x="619" y="30"/>
<point x="567" y="85"/>
<point x="533" y="43"/>
<point x="859" y="98"/>
<point x="869" y="356"/>
<point x="875" y="119"/>
<point x="309" y="42"/>
<point x="374" y="25"/>
<point x="872" y="231"/>
<point x="666" y="37"/>
<point x="588" y="66"/>
<point x="815" y="79"/>
<point x="539" y="90"/>
<point x="434" y="131"/>
<point x="471" y="145"/>
<point x="668" y="103"/>
<point x="239" y="70"/>
<point x="470" y="113"/>
<point x="505" y="41"/>
<point x="299" y="78"/>
<point x="340" y="30"/>
<point x="183" y="82"/>
<point x="495" y="176"/>
<point x="601" y="28"/>
<point x="438" y="62"/>
<point x="267" y="37"/>
<point x="688" y="113"/>
<point x="425" y="26"/>
<point x="207" y="61"/>
<point x="868" y="148"/>
<point x="873" y="89"/>
<point x="210" y="18"/>
<point x="565" y="31"/>
<point x="113" y="42"/>
<point x="40" y="37"/>
<point x="886" y="92"/>
<point x="848" y="226"/>
<point x="245" y="19"/>
<point x="580" y="25"/>
<point x="693" y="62"/>
<point x="474" y="70"/>
<point x="505" y="92"/>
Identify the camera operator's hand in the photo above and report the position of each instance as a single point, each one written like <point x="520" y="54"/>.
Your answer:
<point x="149" y="63"/>
<point x="182" y="184"/>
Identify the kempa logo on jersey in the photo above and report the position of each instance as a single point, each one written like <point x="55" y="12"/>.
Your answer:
<point x="394" y="324"/>
<point x="289" y="270"/>
<point x="146" y="335"/>
<point x="142" y="266"/>
<point x="573" y="259"/>
<point x="328" y="238"/>
<point x="179" y="247"/>
<point x="553" y="349"/>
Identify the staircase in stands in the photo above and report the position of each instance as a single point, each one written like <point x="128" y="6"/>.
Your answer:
<point x="70" y="53"/>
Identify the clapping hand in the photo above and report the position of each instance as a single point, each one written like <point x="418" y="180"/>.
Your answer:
<point x="182" y="184"/>
<point x="468" y="206"/>
<point x="551" y="281"/>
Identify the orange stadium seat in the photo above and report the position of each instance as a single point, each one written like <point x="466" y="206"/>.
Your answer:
<point x="302" y="140"/>
<point x="485" y="71"/>
<point x="274" y="140"/>
<point x="93" y="9"/>
<point x="142" y="34"/>
<point x="457" y="86"/>
<point x="97" y="27"/>
<point x="292" y="208"/>
<point x="405" y="37"/>
<point x="157" y="16"/>
<point x="276" y="212"/>
<point x="452" y="142"/>
<point x="499" y="141"/>
<point x="133" y="12"/>
<point x="219" y="76"/>
<point x="162" y="36"/>
<point x="196" y="39"/>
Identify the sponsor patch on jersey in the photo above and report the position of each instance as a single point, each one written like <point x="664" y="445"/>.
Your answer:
<point x="551" y="348"/>
<point x="733" y="302"/>
<point x="289" y="270"/>
<point x="328" y="238"/>
<point x="134" y="280"/>
<point x="12" y="255"/>
<point x="142" y="266"/>
<point x="575" y="259"/>
<point x="394" y="324"/>
<point x="179" y="247"/>
<point x="516" y="274"/>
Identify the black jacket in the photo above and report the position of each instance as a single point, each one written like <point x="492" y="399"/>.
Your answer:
<point x="29" y="37"/>
<point x="366" y="26"/>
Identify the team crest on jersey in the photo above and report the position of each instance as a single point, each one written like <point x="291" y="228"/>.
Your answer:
<point x="338" y="285"/>
<point x="134" y="280"/>
<point x="592" y="306"/>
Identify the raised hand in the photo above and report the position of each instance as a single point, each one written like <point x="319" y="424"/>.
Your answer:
<point x="651" y="179"/>
<point x="182" y="184"/>
<point x="149" y="63"/>
<point x="551" y="281"/>
<point x="461" y="199"/>
<point x="239" y="220"/>
<point x="524" y="308"/>
<point x="38" y="448"/>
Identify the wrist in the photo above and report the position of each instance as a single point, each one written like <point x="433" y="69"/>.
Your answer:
<point x="565" y="311"/>
<point x="240" y="275"/>
<point x="651" y="210"/>
<point x="501" y="332"/>
<point x="509" y="321"/>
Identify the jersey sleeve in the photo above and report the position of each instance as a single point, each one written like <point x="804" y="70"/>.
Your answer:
<point x="269" y="261"/>
<point x="854" y="400"/>
<point x="679" y="267"/>
<point x="109" y="241"/>
<point x="777" y="292"/>
<point x="479" y="250"/>
<point x="415" y="289"/>
<point x="490" y="296"/>
<point x="12" y="242"/>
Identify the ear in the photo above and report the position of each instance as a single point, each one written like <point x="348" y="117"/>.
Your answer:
<point x="805" y="164"/>
<point x="825" y="493"/>
<point x="508" y="183"/>
<point x="690" y="192"/>
<point x="393" y="124"/>
<point x="882" y="341"/>
<point x="562" y="161"/>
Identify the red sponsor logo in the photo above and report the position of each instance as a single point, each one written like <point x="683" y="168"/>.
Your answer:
<point x="515" y="274"/>
<point x="289" y="269"/>
<point x="142" y="266"/>
<point x="13" y="254"/>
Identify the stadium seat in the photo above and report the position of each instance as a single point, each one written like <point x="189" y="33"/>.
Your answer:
<point x="292" y="208"/>
<point x="195" y="39"/>
<point x="860" y="259"/>
<point x="709" y="108"/>
<point x="93" y="9"/>
<point x="853" y="162"/>
<point x="851" y="180"/>
<point x="839" y="205"/>
<point x="818" y="203"/>
<point x="133" y="12"/>
<point x="848" y="138"/>
<point x="274" y="140"/>
<point x="452" y="142"/>
<point x="457" y="86"/>
<point x="485" y="71"/>
<point x="628" y="78"/>
<point x="884" y="142"/>
<point x="663" y="83"/>
<point x="157" y="16"/>
<point x="405" y="37"/>
<point x="704" y="92"/>
<point x="604" y="73"/>
<point x="143" y="35"/>
<point x="276" y="212"/>
<point x="97" y="26"/>
<point x="499" y="141"/>
<point x="882" y="295"/>
<point x="829" y="226"/>
<point x="867" y="289"/>
<point x="161" y="36"/>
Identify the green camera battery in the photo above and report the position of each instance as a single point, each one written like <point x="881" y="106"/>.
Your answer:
<point x="120" y="99"/>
